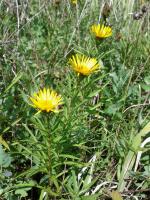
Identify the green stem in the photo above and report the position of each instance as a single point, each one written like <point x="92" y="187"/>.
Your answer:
<point x="49" y="160"/>
<point x="48" y="143"/>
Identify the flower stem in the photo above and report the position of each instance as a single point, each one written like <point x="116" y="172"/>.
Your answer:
<point x="48" y="142"/>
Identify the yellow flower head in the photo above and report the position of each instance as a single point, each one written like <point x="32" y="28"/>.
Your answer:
<point x="46" y="100"/>
<point x="83" y="65"/>
<point x="74" y="1"/>
<point x="101" y="31"/>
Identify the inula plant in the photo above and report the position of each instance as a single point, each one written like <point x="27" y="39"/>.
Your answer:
<point x="74" y="100"/>
<point x="84" y="65"/>
<point x="101" y="31"/>
<point x="46" y="100"/>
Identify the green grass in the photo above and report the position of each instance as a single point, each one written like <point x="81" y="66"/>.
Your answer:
<point x="105" y="116"/>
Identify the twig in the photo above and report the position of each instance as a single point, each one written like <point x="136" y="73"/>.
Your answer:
<point x="7" y="42"/>
<point x="18" y="20"/>
<point x="29" y="21"/>
<point x="75" y="28"/>
<point x="136" y="191"/>
<point x="138" y="105"/>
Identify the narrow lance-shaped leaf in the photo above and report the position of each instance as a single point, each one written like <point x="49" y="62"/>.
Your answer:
<point x="131" y="156"/>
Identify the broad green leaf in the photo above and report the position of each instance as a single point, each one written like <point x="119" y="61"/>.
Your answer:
<point x="146" y="87"/>
<point x="1" y="191"/>
<point x="5" y="159"/>
<point x="22" y="192"/>
<point x="147" y="80"/>
<point x="115" y="195"/>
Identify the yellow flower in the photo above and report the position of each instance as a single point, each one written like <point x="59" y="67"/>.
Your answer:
<point x="46" y="100"/>
<point x="83" y="65"/>
<point x="101" y="31"/>
<point x="74" y="1"/>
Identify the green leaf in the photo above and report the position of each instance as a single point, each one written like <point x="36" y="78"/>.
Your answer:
<point x="14" y="81"/>
<point x="75" y="183"/>
<point x="94" y="93"/>
<point x="42" y="195"/>
<point x="4" y="143"/>
<point x="22" y="192"/>
<point x="75" y="164"/>
<point x="115" y="195"/>
<point x="13" y="124"/>
<point x="32" y="171"/>
<point x="112" y="109"/>
<point x="88" y="179"/>
<point x="5" y="159"/>
<point x="30" y="132"/>
<point x="91" y="197"/>
<point x="68" y="156"/>
<point x="1" y="191"/>
<point x="131" y="156"/>
<point x="96" y="106"/>
<point x="146" y="87"/>
<point x="88" y="186"/>
<point x="147" y="80"/>
<point x="55" y="181"/>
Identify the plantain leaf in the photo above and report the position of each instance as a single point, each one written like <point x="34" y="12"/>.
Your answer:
<point x="115" y="195"/>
